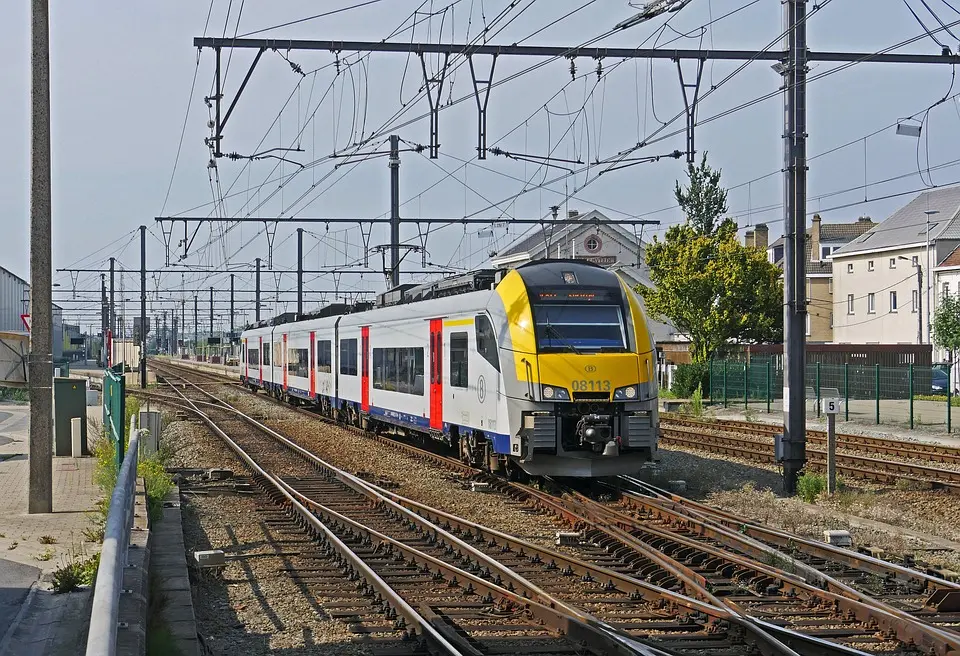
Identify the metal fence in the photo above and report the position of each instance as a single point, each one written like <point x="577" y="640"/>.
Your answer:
<point x="908" y="395"/>
<point x="104" y="616"/>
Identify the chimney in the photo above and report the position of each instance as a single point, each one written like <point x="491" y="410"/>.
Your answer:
<point x="749" y="239"/>
<point x="815" y="239"/>
<point x="572" y="214"/>
<point x="761" y="236"/>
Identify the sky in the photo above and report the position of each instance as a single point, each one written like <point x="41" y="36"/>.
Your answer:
<point x="126" y="83"/>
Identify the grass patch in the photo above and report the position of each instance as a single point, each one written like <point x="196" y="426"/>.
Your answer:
<point x="954" y="400"/>
<point x="47" y="539"/>
<point x="811" y="486"/>
<point x="75" y="571"/>
<point x="15" y="394"/>
<point x="45" y="555"/>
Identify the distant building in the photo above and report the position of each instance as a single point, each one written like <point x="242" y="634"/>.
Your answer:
<point x="592" y="239"/>
<point x="875" y="275"/>
<point x="823" y="239"/>
<point x="15" y="301"/>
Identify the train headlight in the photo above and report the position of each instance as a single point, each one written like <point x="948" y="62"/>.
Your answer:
<point x="628" y="393"/>
<point x="551" y="393"/>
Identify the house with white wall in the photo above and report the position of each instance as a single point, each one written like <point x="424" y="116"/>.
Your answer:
<point x="877" y="298"/>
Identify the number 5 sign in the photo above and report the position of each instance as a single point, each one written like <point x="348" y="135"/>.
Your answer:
<point x="831" y="406"/>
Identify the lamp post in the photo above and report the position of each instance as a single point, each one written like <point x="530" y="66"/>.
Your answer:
<point x="919" y="297"/>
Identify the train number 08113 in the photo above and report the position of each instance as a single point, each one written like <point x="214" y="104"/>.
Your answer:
<point x="591" y="386"/>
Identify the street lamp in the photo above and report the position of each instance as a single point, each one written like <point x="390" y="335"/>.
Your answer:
<point x="919" y="297"/>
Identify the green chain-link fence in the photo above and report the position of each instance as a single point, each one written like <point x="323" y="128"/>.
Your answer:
<point x="892" y="395"/>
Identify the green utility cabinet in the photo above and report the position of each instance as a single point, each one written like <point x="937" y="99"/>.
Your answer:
<point x="69" y="401"/>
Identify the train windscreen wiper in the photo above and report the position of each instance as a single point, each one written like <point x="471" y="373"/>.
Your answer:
<point x="555" y="334"/>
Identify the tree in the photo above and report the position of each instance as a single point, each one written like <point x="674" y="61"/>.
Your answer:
<point x="713" y="288"/>
<point x="946" y="324"/>
<point x="704" y="200"/>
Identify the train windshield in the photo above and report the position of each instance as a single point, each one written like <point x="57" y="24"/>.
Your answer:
<point x="579" y="327"/>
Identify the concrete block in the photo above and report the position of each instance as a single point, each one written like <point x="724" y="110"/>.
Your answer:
<point x="677" y="486"/>
<point x="217" y="474"/>
<point x="211" y="558"/>
<point x="479" y="487"/>
<point x="568" y="538"/>
<point x="838" y="538"/>
<point x="76" y="436"/>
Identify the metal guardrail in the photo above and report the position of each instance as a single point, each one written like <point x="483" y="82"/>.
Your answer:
<point x="104" y="616"/>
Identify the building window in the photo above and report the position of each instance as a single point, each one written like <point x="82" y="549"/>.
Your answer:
<point x="826" y="251"/>
<point x="592" y="243"/>
<point x="946" y="289"/>
<point x="849" y="303"/>
<point x="870" y="265"/>
<point x="850" y="268"/>
<point x="915" y="295"/>
<point x="808" y="324"/>
<point x="893" y="263"/>
<point x="893" y="301"/>
<point x="914" y="260"/>
<point x="871" y="303"/>
<point x="831" y="319"/>
<point x="830" y="286"/>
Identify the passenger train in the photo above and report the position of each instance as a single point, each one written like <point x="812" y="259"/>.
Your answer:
<point x="547" y="369"/>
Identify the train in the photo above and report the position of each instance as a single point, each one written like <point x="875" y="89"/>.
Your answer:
<point x="547" y="369"/>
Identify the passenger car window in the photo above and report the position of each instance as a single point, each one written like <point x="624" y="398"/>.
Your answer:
<point x="458" y="360"/>
<point x="487" y="341"/>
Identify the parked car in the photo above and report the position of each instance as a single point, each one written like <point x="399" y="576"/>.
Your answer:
<point x="939" y="381"/>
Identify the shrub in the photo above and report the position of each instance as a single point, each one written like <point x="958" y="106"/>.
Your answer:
<point x="811" y="486"/>
<point x="157" y="482"/>
<point x="687" y="377"/>
<point x="696" y="402"/>
<point x="67" y="578"/>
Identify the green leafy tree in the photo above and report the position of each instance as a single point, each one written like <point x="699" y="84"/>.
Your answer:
<point x="705" y="282"/>
<point x="946" y="324"/>
<point x="704" y="201"/>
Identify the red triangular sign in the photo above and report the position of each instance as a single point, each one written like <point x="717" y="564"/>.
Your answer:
<point x="25" y="318"/>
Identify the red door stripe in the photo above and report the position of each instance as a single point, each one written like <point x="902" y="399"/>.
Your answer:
<point x="365" y="368"/>
<point x="313" y="365"/>
<point x="436" y="374"/>
<point x="260" y="364"/>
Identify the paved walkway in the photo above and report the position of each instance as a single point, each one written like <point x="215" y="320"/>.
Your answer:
<point x="49" y="624"/>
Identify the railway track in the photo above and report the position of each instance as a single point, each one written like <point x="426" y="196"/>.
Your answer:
<point x="615" y="551"/>
<point x="536" y="587"/>
<point x="750" y="442"/>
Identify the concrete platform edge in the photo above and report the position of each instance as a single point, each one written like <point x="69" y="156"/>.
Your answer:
<point x="177" y="610"/>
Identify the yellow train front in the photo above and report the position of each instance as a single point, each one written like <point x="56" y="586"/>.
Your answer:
<point x="578" y="363"/>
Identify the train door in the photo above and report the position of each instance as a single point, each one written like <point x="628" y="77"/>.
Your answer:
<point x="260" y="362"/>
<point x="246" y="361"/>
<point x="313" y="365"/>
<point x="436" y="374"/>
<point x="284" y="360"/>
<point x="365" y="369"/>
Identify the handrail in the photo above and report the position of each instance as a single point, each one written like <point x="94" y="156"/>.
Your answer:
<point x="104" y="615"/>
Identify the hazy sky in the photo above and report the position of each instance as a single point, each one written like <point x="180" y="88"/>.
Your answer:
<point x="121" y="81"/>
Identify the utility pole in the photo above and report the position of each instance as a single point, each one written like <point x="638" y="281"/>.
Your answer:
<point x="795" y="226"/>
<point x="231" y="308"/>
<point x="196" y="326"/>
<point x="104" y="317"/>
<point x="256" y="292"/>
<point x="183" y="323"/>
<point x="211" y="311"/>
<point x="394" y="165"/>
<point x="299" y="272"/>
<point x="41" y="271"/>
<point x="143" y="307"/>
<point x="919" y="302"/>
<point x="113" y="312"/>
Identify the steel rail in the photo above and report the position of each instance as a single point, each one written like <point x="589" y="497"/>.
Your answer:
<point x="651" y="497"/>
<point x="883" y="471"/>
<point x="105" y="609"/>
<point x="568" y="620"/>
<point x="861" y="611"/>
<point x="888" y="446"/>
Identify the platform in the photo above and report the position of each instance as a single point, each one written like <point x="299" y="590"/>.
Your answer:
<point x="51" y="624"/>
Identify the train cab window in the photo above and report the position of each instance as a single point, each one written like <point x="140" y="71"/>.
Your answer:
<point x="266" y="355"/>
<point x="324" y="356"/>
<point x="458" y="360"/>
<point x="348" y="357"/>
<point x="253" y="357"/>
<point x="298" y="362"/>
<point x="575" y="327"/>
<point x="487" y="341"/>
